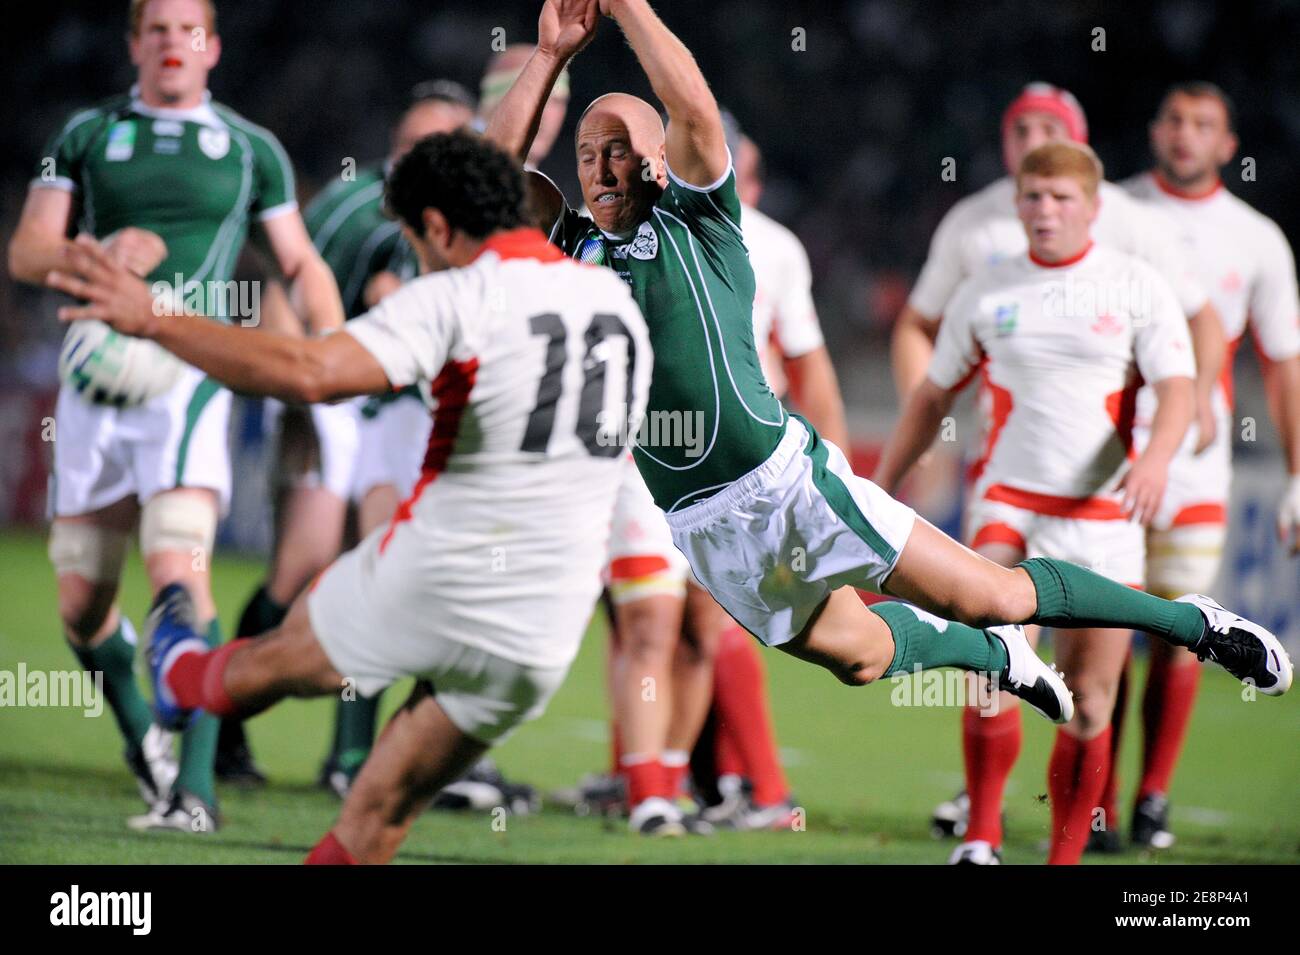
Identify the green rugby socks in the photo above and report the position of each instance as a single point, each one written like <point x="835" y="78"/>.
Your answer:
<point x="926" y="641"/>
<point x="114" y="657"/>
<point x="1071" y="596"/>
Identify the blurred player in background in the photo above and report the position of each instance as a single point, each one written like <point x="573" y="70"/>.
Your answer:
<point x="172" y="182"/>
<point x="1064" y="336"/>
<point x="482" y="583"/>
<point x="983" y="230"/>
<point x="1250" y="273"/>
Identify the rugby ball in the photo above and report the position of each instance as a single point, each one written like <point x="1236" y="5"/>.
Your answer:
<point x="105" y="367"/>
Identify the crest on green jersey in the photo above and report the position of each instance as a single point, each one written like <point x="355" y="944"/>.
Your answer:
<point x="121" y="141"/>
<point x="215" y="143"/>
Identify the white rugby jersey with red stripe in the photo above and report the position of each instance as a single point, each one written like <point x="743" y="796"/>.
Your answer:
<point x="1248" y="266"/>
<point x="983" y="229"/>
<point x="536" y="369"/>
<point x="785" y="318"/>
<point x="1062" y="349"/>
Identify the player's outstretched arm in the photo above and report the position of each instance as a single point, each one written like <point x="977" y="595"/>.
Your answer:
<point x="696" y="146"/>
<point x="564" y="28"/>
<point x="293" y="369"/>
<point x="922" y="416"/>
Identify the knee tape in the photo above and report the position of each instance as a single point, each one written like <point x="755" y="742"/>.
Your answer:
<point x="178" y="522"/>
<point x="93" y="553"/>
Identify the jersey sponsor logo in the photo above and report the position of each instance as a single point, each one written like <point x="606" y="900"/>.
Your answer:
<point x="168" y="127"/>
<point x="646" y="244"/>
<point x="1005" y="318"/>
<point x="121" y="141"/>
<point x="215" y="143"/>
<point x="167" y="147"/>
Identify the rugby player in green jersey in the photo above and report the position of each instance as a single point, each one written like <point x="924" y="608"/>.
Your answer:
<point x="172" y="182"/>
<point x="774" y="523"/>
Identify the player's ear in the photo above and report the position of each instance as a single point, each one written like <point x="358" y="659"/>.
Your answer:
<point x="133" y="46"/>
<point x="1227" y="149"/>
<point x="437" y="229"/>
<point x="212" y="54"/>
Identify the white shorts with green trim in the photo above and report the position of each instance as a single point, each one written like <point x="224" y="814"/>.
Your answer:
<point x="178" y="439"/>
<point x="772" y="546"/>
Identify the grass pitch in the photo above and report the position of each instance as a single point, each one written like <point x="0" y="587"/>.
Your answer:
<point x="866" y="771"/>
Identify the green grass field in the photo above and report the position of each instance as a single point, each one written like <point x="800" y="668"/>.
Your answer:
<point x="867" y="772"/>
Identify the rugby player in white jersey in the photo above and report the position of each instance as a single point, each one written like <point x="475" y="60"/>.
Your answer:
<point x="659" y="687"/>
<point x="172" y="182"/>
<point x="1063" y="337"/>
<point x="773" y="521"/>
<point x="482" y="583"/>
<point x="983" y="230"/>
<point x="1249" y="270"/>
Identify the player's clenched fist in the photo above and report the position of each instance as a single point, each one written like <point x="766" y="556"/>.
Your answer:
<point x="566" y="26"/>
<point x="139" y="250"/>
<point x="110" y="291"/>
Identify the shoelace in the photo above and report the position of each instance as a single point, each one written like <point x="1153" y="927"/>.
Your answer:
<point x="1233" y="649"/>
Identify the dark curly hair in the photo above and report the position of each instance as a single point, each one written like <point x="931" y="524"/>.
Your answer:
<point x="471" y="181"/>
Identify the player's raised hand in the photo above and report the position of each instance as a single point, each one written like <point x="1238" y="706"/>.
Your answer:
<point x="139" y="250"/>
<point x="566" y="26"/>
<point x="1144" y="487"/>
<point x="110" y="291"/>
<point x="1288" y="517"/>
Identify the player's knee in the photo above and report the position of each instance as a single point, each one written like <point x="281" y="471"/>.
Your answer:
<point x="1093" y="707"/>
<point x="182" y="524"/>
<point x="88" y="563"/>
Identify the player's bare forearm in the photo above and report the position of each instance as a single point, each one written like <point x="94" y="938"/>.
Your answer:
<point x="696" y="144"/>
<point x="1175" y="408"/>
<point x="1210" y="346"/>
<point x="563" y="28"/>
<point x="1282" y="384"/>
<point x="294" y="369"/>
<point x="920" y="421"/>
<point x="817" y="392"/>
<point x="910" y="351"/>
<point x="515" y="120"/>
<point x="38" y="243"/>
<point x="315" y="295"/>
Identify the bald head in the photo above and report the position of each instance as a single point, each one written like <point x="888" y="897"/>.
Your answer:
<point x="620" y="144"/>
<point x="639" y="118"/>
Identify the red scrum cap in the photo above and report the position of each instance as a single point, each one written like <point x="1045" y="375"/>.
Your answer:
<point x="1046" y="98"/>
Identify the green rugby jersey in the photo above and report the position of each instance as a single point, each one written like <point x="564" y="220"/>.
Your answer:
<point x="711" y="416"/>
<point x="354" y="237"/>
<point x="350" y="231"/>
<point x="194" y="176"/>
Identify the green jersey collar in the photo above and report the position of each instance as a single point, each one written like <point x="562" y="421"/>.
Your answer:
<point x="203" y="114"/>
